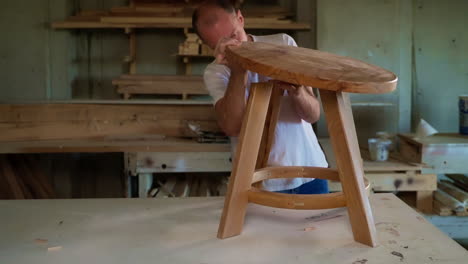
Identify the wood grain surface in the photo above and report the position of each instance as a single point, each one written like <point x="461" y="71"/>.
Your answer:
<point x="313" y="68"/>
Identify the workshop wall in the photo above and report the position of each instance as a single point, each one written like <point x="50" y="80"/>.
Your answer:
<point x="440" y="61"/>
<point x="423" y="41"/>
<point x="375" y="32"/>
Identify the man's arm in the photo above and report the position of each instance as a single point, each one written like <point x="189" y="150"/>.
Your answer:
<point x="305" y="103"/>
<point x="230" y="109"/>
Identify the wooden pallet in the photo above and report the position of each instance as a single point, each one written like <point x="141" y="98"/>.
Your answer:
<point x="443" y="152"/>
<point x="128" y="85"/>
<point x="394" y="175"/>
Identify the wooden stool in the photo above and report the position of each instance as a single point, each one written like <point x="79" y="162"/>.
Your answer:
<point x="334" y="76"/>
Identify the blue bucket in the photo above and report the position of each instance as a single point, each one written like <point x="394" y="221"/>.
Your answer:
<point x="463" y="104"/>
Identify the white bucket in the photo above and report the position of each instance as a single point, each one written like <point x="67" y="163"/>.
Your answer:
<point x="379" y="148"/>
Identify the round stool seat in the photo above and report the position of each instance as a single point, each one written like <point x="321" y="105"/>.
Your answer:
<point x="314" y="68"/>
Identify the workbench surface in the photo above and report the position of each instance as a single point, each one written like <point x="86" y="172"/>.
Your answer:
<point x="184" y="231"/>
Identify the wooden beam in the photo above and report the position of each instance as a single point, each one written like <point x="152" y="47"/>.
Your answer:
<point x="126" y="144"/>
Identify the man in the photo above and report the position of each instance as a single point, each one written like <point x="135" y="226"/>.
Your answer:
<point x="220" y="25"/>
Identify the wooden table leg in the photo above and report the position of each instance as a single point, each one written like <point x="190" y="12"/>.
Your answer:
<point x="248" y="146"/>
<point x="343" y="137"/>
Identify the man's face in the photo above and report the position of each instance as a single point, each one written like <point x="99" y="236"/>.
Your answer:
<point x="215" y="23"/>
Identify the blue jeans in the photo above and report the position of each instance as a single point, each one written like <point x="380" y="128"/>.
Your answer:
<point x="316" y="186"/>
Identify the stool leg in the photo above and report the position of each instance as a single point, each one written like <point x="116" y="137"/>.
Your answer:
<point x="243" y="168"/>
<point x="270" y="127"/>
<point x="343" y="137"/>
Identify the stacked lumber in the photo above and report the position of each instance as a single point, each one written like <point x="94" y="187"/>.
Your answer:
<point x="92" y="120"/>
<point x="451" y="197"/>
<point x="22" y="178"/>
<point x="191" y="45"/>
<point x="194" y="46"/>
<point x="188" y="186"/>
<point x="128" y="85"/>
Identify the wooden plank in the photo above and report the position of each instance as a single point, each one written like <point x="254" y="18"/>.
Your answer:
<point x="390" y="166"/>
<point x="17" y="113"/>
<point x="459" y="180"/>
<point x="454" y="191"/>
<point x="344" y="140"/>
<point x="145" y="162"/>
<point x="157" y="78"/>
<point x="63" y="121"/>
<point x="441" y="209"/>
<point x="112" y="145"/>
<point x="114" y="102"/>
<point x="99" y="129"/>
<point x="391" y="182"/>
<point x="145" y="20"/>
<point x="187" y="20"/>
<point x="144" y="84"/>
<point x="92" y="24"/>
<point x="393" y="164"/>
<point x="156" y="89"/>
<point x="232" y="219"/>
<point x="449" y="201"/>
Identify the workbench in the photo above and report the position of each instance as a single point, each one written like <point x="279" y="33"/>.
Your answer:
<point x="183" y="230"/>
<point x="138" y="128"/>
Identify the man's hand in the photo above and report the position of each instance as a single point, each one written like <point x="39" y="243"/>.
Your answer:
<point x="220" y="54"/>
<point x="305" y="102"/>
<point x="294" y="90"/>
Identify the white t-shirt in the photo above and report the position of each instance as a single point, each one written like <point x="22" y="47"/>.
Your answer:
<point x="294" y="143"/>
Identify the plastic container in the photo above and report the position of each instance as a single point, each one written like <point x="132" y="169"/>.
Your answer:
<point x="379" y="148"/>
<point x="463" y="106"/>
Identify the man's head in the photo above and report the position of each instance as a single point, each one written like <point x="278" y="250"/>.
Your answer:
<point x="216" y="19"/>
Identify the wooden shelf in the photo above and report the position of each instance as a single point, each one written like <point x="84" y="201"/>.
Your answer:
<point x="195" y="56"/>
<point x="114" y="144"/>
<point x="129" y="85"/>
<point x="173" y="15"/>
<point x="69" y="24"/>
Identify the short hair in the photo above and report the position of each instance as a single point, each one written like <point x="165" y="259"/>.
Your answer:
<point x="230" y="6"/>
